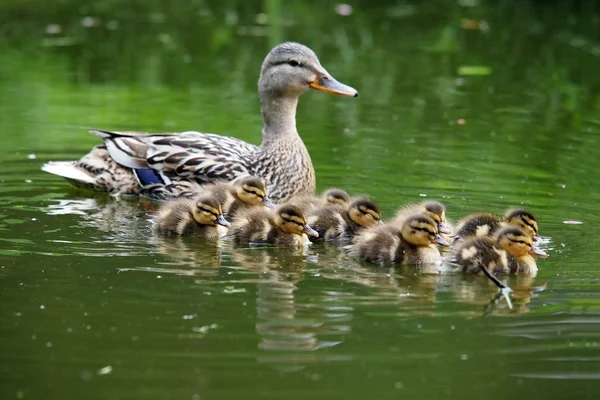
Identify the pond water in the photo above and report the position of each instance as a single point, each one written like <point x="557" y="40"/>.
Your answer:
<point x="482" y="105"/>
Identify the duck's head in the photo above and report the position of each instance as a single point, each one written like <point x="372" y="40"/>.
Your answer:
<point x="436" y="211"/>
<point x="523" y="219"/>
<point x="207" y="211"/>
<point x="364" y="212"/>
<point x="421" y="230"/>
<point x="517" y="242"/>
<point x="291" y="69"/>
<point x="291" y="219"/>
<point x="336" y="196"/>
<point x="253" y="191"/>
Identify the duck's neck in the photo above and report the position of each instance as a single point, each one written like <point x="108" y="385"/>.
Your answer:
<point x="279" y="115"/>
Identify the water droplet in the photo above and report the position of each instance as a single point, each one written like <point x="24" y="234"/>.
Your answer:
<point x="399" y="385"/>
<point x="42" y="307"/>
<point x="48" y="344"/>
<point x="32" y="156"/>
<point x="464" y="357"/>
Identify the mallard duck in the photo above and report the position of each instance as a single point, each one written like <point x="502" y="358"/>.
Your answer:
<point x="411" y="243"/>
<point x="509" y="251"/>
<point x="335" y="222"/>
<point x="238" y="195"/>
<point x="199" y="217"/>
<point x="433" y="209"/>
<point x="173" y="164"/>
<point x="483" y="224"/>
<point x="284" y="226"/>
<point x="329" y="197"/>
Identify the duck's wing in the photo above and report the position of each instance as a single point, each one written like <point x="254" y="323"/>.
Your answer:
<point x="204" y="157"/>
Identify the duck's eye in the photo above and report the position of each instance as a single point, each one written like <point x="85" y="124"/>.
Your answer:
<point x="294" y="63"/>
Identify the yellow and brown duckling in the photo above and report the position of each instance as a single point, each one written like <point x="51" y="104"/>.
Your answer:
<point x="412" y="243"/>
<point x="431" y="208"/>
<point x="285" y="225"/>
<point x="509" y="251"/>
<point x="201" y="216"/>
<point x="329" y="197"/>
<point x="335" y="222"/>
<point x="484" y="224"/>
<point x="239" y="195"/>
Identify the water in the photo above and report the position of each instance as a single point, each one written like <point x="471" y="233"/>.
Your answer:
<point x="95" y="306"/>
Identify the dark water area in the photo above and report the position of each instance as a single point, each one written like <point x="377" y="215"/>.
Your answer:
<point x="483" y="105"/>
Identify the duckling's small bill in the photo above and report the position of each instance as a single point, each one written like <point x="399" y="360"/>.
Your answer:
<point x="440" y="240"/>
<point x="310" y="231"/>
<point x="222" y="221"/>
<point x="268" y="203"/>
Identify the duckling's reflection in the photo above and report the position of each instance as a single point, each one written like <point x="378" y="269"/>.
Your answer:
<point x="191" y="252"/>
<point x="285" y="330"/>
<point x="478" y="290"/>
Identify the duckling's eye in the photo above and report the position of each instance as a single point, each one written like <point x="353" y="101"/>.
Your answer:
<point x="254" y="193"/>
<point x="294" y="63"/>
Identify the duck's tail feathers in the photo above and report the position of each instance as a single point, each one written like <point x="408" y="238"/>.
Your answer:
<point x="68" y="170"/>
<point x="128" y="149"/>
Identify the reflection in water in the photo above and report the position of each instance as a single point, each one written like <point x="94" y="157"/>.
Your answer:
<point x="287" y="327"/>
<point x="123" y="222"/>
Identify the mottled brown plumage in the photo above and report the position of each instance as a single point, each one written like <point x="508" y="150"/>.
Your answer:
<point x="167" y="163"/>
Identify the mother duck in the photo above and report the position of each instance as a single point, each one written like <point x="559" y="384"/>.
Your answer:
<point x="169" y="165"/>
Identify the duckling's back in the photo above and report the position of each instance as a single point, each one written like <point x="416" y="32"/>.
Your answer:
<point x="378" y="244"/>
<point x="481" y="250"/>
<point x="307" y="203"/>
<point x="223" y="193"/>
<point x="252" y="226"/>
<point x="329" y="222"/>
<point x="477" y="225"/>
<point x="175" y="218"/>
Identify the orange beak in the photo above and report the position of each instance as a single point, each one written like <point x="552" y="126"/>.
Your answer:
<point x="327" y="83"/>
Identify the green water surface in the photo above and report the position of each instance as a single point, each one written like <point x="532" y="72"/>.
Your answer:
<point x="483" y="105"/>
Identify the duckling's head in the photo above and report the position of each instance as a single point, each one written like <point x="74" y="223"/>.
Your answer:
<point x="421" y="230"/>
<point x="517" y="242"/>
<point x="436" y="211"/>
<point x="523" y="219"/>
<point x="253" y="191"/>
<point x="291" y="69"/>
<point x="291" y="219"/>
<point x="208" y="212"/>
<point x="364" y="212"/>
<point x="336" y="196"/>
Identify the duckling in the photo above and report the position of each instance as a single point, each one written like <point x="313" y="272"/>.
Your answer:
<point x="329" y="197"/>
<point x="483" y="224"/>
<point x="241" y="194"/>
<point x="199" y="217"/>
<point x="433" y="209"/>
<point x="284" y="226"/>
<point x="509" y="251"/>
<point x="334" y="222"/>
<point x="412" y="243"/>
